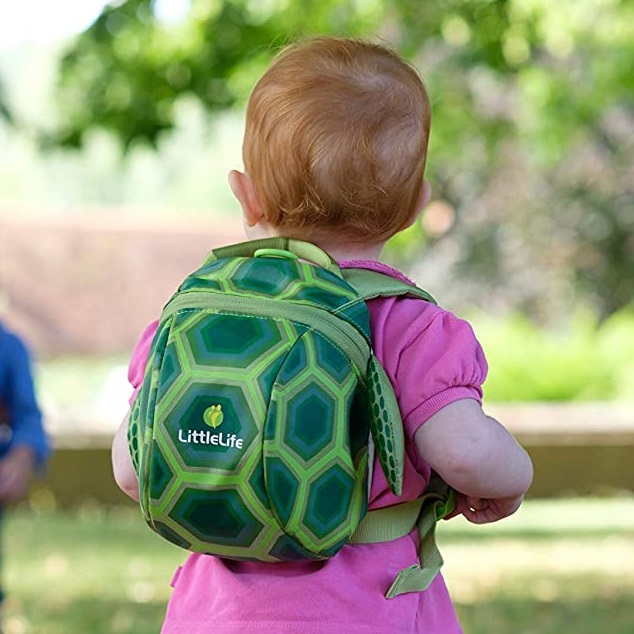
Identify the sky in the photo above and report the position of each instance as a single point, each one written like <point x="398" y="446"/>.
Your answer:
<point x="46" y="20"/>
<point x="42" y="20"/>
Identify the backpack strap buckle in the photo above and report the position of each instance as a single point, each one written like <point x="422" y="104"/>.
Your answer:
<point x="438" y="502"/>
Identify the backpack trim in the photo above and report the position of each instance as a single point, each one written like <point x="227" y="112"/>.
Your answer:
<point x="344" y="335"/>
<point x="303" y="250"/>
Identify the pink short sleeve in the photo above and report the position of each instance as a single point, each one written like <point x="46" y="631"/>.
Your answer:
<point x="432" y="357"/>
<point x="445" y="363"/>
<point x="138" y="360"/>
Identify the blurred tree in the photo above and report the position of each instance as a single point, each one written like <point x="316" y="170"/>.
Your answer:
<point x="5" y="113"/>
<point x="125" y="72"/>
<point x="531" y="153"/>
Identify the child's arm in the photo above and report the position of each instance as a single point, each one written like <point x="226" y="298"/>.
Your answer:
<point x="122" y="467"/>
<point x="478" y="457"/>
<point x="19" y="402"/>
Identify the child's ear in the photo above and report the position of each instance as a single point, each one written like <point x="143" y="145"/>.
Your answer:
<point x="423" y="198"/>
<point x="244" y="190"/>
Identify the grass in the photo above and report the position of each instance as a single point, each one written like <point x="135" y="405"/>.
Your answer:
<point x="559" y="567"/>
<point x="92" y="572"/>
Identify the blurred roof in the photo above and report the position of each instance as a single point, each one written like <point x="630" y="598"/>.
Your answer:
<point x="89" y="284"/>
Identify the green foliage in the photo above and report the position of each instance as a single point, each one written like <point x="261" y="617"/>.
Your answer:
<point x="583" y="363"/>
<point x="125" y="73"/>
<point x="533" y="106"/>
<point x="5" y="113"/>
<point x="550" y="60"/>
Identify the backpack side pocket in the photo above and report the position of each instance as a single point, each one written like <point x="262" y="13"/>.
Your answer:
<point x="315" y="449"/>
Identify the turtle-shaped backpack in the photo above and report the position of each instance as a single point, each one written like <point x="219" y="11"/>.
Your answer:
<point x="254" y="429"/>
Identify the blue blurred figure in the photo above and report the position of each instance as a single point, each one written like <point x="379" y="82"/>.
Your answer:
<point x="24" y="446"/>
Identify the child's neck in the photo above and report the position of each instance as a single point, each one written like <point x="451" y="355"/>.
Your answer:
<point x="341" y="252"/>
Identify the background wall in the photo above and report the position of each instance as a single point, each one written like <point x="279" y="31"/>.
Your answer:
<point x="74" y="285"/>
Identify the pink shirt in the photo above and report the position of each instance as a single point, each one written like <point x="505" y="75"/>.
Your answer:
<point x="432" y="359"/>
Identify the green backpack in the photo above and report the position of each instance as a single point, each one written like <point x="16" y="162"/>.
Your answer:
<point x="253" y="432"/>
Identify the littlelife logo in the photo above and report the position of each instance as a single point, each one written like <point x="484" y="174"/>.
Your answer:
<point x="213" y="417"/>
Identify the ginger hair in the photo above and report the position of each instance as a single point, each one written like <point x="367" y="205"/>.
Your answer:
<point x="336" y="140"/>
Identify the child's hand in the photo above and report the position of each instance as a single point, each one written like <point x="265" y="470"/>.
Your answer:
<point x="16" y="470"/>
<point x="122" y="467"/>
<point x="483" y="511"/>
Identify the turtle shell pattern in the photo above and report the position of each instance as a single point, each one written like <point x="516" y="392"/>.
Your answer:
<point x="250" y="432"/>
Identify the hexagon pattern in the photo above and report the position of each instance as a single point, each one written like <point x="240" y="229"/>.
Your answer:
<point x="311" y="449"/>
<point x="282" y="475"/>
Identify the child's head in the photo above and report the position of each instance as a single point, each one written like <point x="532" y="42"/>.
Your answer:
<point x="336" y="140"/>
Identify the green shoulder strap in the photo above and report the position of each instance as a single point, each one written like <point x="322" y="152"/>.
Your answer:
<point x="386" y="424"/>
<point x="439" y="499"/>
<point x="372" y="284"/>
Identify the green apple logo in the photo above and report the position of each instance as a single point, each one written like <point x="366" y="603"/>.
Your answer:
<point x="213" y="416"/>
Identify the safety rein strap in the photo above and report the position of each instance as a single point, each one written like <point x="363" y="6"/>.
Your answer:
<point x="394" y="522"/>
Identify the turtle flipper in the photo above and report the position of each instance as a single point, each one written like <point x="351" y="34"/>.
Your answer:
<point x="386" y="425"/>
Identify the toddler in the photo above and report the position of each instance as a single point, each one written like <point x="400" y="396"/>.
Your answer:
<point x="334" y="153"/>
